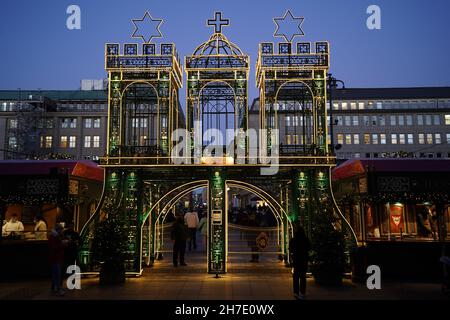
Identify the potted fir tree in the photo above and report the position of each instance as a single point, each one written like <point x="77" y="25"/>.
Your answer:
<point x="328" y="258"/>
<point x="110" y="245"/>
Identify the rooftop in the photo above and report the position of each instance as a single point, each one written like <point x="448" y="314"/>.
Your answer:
<point x="56" y="95"/>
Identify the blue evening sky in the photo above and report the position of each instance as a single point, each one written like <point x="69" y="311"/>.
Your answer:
<point x="411" y="49"/>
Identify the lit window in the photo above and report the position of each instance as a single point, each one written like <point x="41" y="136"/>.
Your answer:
<point x="12" y="143"/>
<point x="348" y="139"/>
<point x="394" y="138"/>
<point x="402" y="138"/>
<point x="65" y="123"/>
<point x="335" y="106"/>
<point x="410" y="138"/>
<point x="73" y="123"/>
<point x="88" y="123"/>
<point x="96" y="122"/>
<point x="366" y="138"/>
<point x="144" y="122"/>
<point x="429" y="138"/>
<point x="143" y="140"/>
<point x="295" y="137"/>
<point x="63" y="142"/>
<point x="353" y="105"/>
<point x="72" y="141"/>
<point x="421" y="138"/>
<point x="344" y="106"/>
<point x="356" y="139"/>
<point x="288" y="139"/>
<point x="287" y="121"/>
<point x="447" y="119"/>
<point x="46" y="141"/>
<point x="340" y="138"/>
<point x="379" y="105"/>
<point x="87" y="141"/>
<point x="96" y="141"/>
<point x="295" y="121"/>
<point x="361" y="105"/>
<point x="437" y="138"/>
<point x="383" y="138"/>
<point x="375" y="138"/>
<point x="13" y="123"/>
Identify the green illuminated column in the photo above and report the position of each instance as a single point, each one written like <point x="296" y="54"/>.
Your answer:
<point x="133" y="213"/>
<point x="217" y="223"/>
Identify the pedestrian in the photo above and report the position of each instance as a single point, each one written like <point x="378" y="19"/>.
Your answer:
<point x="73" y="242"/>
<point x="179" y="237"/>
<point x="299" y="248"/>
<point x="56" y="258"/>
<point x="203" y="228"/>
<point x="191" y="219"/>
<point x="40" y="228"/>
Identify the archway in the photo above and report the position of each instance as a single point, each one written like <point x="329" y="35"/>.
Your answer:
<point x="258" y="228"/>
<point x="142" y="119"/>
<point x="216" y="109"/>
<point x="294" y="106"/>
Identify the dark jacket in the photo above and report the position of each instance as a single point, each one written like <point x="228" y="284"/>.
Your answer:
<point x="179" y="231"/>
<point x="56" y="248"/>
<point x="299" y="247"/>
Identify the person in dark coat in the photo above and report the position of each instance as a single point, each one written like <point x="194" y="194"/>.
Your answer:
<point x="73" y="242"/>
<point x="56" y="245"/>
<point x="299" y="247"/>
<point x="179" y="236"/>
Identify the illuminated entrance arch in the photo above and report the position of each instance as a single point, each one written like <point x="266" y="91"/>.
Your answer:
<point x="143" y="110"/>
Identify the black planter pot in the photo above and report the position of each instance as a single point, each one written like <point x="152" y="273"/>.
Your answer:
<point x="328" y="276"/>
<point x="112" y="273"/>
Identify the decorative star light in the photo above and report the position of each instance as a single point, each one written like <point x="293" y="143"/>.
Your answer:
<point x="288" y="20"/>
<point x="150" y="25"/>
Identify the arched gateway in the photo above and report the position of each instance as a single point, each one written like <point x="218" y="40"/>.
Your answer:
<point x="155" y="155"/>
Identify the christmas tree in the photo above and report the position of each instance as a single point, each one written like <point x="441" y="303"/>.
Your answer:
<point x="110" y="245"/>
<point x="328" y="244"/>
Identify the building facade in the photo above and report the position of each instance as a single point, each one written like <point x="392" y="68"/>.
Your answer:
<point x="378" y="123"/>
<point x="68" y="124"/>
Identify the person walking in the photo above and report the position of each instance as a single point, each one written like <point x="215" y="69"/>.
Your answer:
<point x="191" y="219"/>
<point x="179" y="237"/>
<point x="203" y="228"/>
<point x="73" y="242"/>
<point x="299" y="248"/>
<point x="56" y="258"/>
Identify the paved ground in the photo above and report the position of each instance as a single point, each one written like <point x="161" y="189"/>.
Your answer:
<point x="268" y="280"/>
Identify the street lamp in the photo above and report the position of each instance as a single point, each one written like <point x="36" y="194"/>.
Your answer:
<point x="333" y="83"/>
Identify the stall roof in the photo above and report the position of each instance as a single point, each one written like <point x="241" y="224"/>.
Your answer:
<point x="355" y="167"/>
<point x="83" y="169"/>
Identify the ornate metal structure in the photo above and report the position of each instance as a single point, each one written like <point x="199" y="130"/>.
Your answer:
<point x="145" y="176"/>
